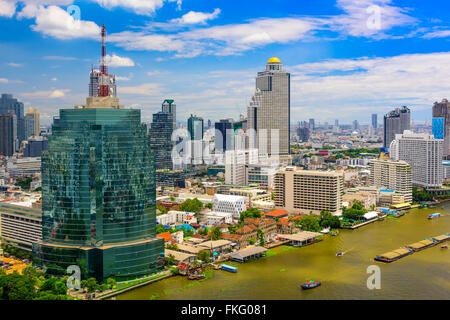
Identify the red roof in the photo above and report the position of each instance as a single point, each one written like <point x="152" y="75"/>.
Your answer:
<point x="277" y="212"/>
<point x="284" y="219"/>
<point x="296" y="217"/>
<point x="231" y="236"/>
<point x="166" y="236"/>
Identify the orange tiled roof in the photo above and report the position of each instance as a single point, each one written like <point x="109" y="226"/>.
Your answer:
<point x="277" y="212"/>
<point x="231" y="236"/>
<point x="297" y="218"/>
<point x="166" y="236"/>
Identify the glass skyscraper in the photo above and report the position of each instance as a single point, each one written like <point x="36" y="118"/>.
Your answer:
<point x="98" y="193"/>
<point x="161" y="140"/>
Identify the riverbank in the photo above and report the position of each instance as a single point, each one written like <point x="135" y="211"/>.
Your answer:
<point x="279" y="275"/>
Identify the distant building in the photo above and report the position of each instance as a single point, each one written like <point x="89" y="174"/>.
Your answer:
<point x="32" y="123"/>
<point x="8" y="134"/>
<point x="303" y="191"/>
<point x="395" y="122"/>
<point x="169" y="106"/>
<point x="9" y="104"/>
<point x="172" y="179"/>
<point x="392" y="175"/>
<point x="235" y="164"/>
<point x="441" y="124"/>
<point x="35" y="146"/>
<point x="374" y="120"/>
<point x="303" y="132"/>
<point x="312" y="124"/>
<point x="161" y="140"/>
<point x="224" y="135"/>
<point x="424" y="154"/>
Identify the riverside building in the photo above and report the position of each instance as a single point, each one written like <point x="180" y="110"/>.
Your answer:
<point x="301" y="191"/>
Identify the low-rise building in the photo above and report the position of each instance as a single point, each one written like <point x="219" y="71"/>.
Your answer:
<point x="215" y="218"/>
<point x="229" y="203"/>
<point x="180" y="256"/>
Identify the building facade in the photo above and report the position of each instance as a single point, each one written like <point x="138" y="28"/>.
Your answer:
<point x="303" y="191"/>
<point x="269" y="114"/>
<point x="392" y="175"/>
<point x="8" y="134"/>
<point x="424" y="154"/>
<point x="229" y="203"/>
<point x="161" y="140"/>
<point x="224" y="135"/>
<point x="169" y="106"/>
<point x="374" y="120"/>
<point x="98" y="193"/>
<point x="441" y="125"/>
<point x="395" y="122"/>
<point x="235" y="165"/>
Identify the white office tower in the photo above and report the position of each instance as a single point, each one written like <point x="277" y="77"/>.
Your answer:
<point x="235" y="162"/>
<point x="230" y="204"/>
<point x="269" y="112"/>
<point x="423" y="153"/>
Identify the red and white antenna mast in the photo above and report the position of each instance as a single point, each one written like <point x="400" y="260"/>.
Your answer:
<point x="104" y="87"/>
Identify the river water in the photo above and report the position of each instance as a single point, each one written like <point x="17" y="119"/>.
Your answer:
<point x="422" y="275"/>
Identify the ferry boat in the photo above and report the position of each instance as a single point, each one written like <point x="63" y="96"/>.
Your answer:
<point x="228" y="268"/>
<point x="434" y="215"/>
<point x="310" y="285"/>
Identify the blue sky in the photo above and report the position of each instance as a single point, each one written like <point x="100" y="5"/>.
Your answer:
<point x="348" y="58"/>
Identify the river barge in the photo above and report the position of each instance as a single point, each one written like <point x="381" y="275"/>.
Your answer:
<point x="421" y="245"/>
<point x="394" y="255"/>
<point x="228" y="268"/>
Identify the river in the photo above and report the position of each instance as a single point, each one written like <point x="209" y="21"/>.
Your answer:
<point x="423" y="275"/>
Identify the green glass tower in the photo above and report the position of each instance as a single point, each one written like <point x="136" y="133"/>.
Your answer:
<point x="98" y="193"/>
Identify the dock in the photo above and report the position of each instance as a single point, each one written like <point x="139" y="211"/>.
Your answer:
<point x="300" y="239"/>
<point x="247" y="254"/>
<point x="394" y="255"/>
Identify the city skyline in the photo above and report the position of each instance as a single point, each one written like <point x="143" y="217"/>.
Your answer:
<point x="154" y="46"/>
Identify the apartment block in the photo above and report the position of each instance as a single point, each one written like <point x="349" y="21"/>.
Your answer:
<point x="302" y="191"/>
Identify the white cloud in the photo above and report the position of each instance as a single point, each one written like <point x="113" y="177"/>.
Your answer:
<point x="353" y="87"/>
<point x="193" y="17"/>
<point x="7" y="8"/>
<point x="146" y="89"/>
<point x="120" y="78"/>
<point x="437" y="34"/>
<point x="58" y="93"/>
<point x="116" y="61"/>
<point x="144" y="7"/>
<point x="4" y="80"/>
<point x="15" y="65"/>
<point x="369" y="18"/>
<point x="57" y="22"/>
<point x="143" y="41"/>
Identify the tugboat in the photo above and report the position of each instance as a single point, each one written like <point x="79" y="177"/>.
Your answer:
<point x="310" y="285"/>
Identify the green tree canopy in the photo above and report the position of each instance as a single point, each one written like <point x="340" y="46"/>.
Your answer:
<point x="250" y="213"/>
<point x="216" y="234"/>
<point x="191" y="205"/>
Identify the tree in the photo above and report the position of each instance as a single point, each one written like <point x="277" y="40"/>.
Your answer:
<point x="17" y="287"/>
<point x="204" y="255"/>
<point x="309" y="223"/>
<point x="209" y="206"/>
<point x="330" y="221"/>
<point x="111" y="282"/>
<point x="216" y="234"/>
<point x="90" y="284"/>
<point x="191" y="205"/>
<point x="169" y="259"/>
<point x="161" y="209"/>
<point x="172" y="247"/>
<point x="54" y="285"/>
<point x="261" y="237"/>
<point x="252" y="241"/>
<point x="250" y="213"/>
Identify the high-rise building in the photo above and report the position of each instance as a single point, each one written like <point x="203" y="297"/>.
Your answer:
<point x="336" y="123"/>
<point x="395" y="122"/>
<point x="235" y="165"/>
<point x="8" y="134"/>
<point x="392" y="175"/>
<point x="312" y="124"/>
<point x="303" y="191"/>
<point x="303" y="132"/>
<point x="195" y="127"/>
<point x="99" y="193"/>
<point x="441" y="124"/>
<point x="424" y="154"/>
<point x="355" y="125"/>
<point x="374" y="120"/>
<point x="161" y="140"/>
<point x="224" y="135"/>
<point x="269" y="112"/>
<point x="8" y="104"/>
<point x="169" y="106"/>
<point x="32" y="123"/>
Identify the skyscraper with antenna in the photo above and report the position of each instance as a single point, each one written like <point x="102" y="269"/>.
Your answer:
<point x="102" y="83"/>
